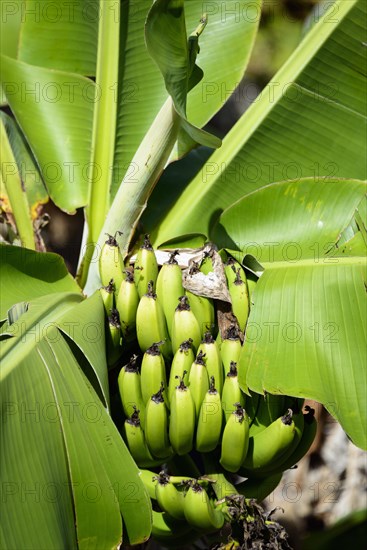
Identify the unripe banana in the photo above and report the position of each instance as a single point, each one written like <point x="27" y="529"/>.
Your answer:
<point x="198" y="381"/>
<point x="146" y="267"/>
<point x="127" y="302"/>
<point x="278" y="464"/>
<point x="210" y="349"/>
<point x="209" y="426"/>
<point x="151" y="324"/>
<point x="199" y="511"/>
<point x="148" y="478"/>
<point x="185" y="325"/>
<point x="240" y="301"/>
<point x="203" y="309"/>
<point x="235" y="440"/>
<point x="113" y="338"/>
<point x="230" y="268"/>
<point x="111" y="264"/>
<point x="156" y="426"/>
<point x="308" y="435"/>
<point x="153" y="372"/>
<point x="231" y="392"/>
<point x="107" y="295"/>
<point x="170" y="499"/>
<point x="182" y="419"/>
<point x="270" y="444"/>
<point x="130" y="389"/>
<point x="169" y="288"/>
<point x="182" y="361"/>
<point x="135" y="440"/>
<point x="230" y="348"/>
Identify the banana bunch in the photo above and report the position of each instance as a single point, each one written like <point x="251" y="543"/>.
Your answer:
<point x="180" y="393"/>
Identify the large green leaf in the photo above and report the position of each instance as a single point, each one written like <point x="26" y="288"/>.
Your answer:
<point x="25" y="275"/>
<point x="34" y="471"/>
<point x="60" y="35"/>
<point x="309" y="121"/>
<point x="55" y="111"/>
<point x="306" y="334"/>
<point x="88" y="459"/>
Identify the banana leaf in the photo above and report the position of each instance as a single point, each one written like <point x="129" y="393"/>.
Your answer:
<point x="65" y="468"/>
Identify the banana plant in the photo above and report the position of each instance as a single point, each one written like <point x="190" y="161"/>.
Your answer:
<point x="104" y="104"/>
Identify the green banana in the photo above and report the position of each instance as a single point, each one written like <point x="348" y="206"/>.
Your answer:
<point x="111" y="264"/>
<point x="198" y="381"/>
<point x="230" y="268"/>
<point x="268" y="445"/>
<point x="230" y="348"/>
<point x="147" y="477"/>
<point x="235" y="440"/>
<point x="107" y="294"/>
<point x="130" y="389"/>
<point x="182" y="361"/>
<point x="127" y="302"/>
<point x="182" y="419"/>
<point x="259" y="488"/>
<point x="156" y="426"/>
<point x="209" y="426"/>
<point x="169" y="288"/>
<point x="151" y="324"/>
<point x="308" y="435"/>
<point x="199" y="511"/>
<point x="135" y="440"/>
<point x="170" y="499"/>
<point x="113" y="338"/>
<point x="203" y="309"/>
<point x="278" y="464"/>
<point x="232" y="392"/>
<point x="237" y="288"/>
<point x="146" y="267"/>
<point x="210" y="349"/>
<point x="152" y="372"/>
<point x="185" y="325"/>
